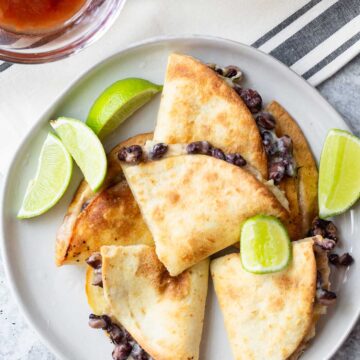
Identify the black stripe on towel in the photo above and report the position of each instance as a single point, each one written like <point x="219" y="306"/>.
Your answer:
<point x="270" y="34"/>
<point x="318" y="30"/>
<point x="328" y="59"/>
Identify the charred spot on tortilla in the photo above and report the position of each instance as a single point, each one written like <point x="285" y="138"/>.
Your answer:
<point x="155" y="271"/>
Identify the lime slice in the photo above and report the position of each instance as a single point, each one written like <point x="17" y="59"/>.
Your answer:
<point x="85" y="147"/>
<point x="118" y="102"/>
<point x="339" y="177"/>
<point x="51" y="180"/>
<point x="265" y="245"/>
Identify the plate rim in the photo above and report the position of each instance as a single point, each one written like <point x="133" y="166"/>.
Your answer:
<point x="9" y="273"/>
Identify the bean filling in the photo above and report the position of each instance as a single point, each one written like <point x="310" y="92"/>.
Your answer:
<point x="125" y="345"/>
<point x="328" y="231"/>
<point x="95" y="261"/>
<point x="159" y="150"/>
<point x="325" y="228"/>
<point x="323" y="296"/>
<point x="279" y="151"/>
<point x="344" y="260"/>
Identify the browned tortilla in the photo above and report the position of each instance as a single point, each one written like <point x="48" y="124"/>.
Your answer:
<point x="197" y="104"/>
<point x="301" y="191"/>
<point x="111" y="217"/>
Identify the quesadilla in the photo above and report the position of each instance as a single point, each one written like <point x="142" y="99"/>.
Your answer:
<point x="194" y="205"/>
<point x="197" y="104"/>
<point x="163" y="314"/>
<point x="272" y="316"/>
<point x="109" y="217"/>
<point x="301" y="190"/>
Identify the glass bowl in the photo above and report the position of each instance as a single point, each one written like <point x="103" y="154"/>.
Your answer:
<point x="75" y="34"/>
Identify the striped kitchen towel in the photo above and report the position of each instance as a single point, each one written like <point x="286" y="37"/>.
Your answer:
<point x="315" y="38"/>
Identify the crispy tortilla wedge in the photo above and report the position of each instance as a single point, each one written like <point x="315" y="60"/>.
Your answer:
<point x="163" y="314"/>
<point x="269" y="316"/>
<point x="301" y="191"/>
<point x="197" y="104"/>
<point x="194" y="205"/>
<point x="109" y="217"/>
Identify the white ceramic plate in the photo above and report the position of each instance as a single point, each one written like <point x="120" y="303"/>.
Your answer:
<point x="53" y="299"/>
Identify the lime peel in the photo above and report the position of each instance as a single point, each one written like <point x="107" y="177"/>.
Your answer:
<point x="51" y="180"/>
<point x="265" y="245"/>
<point x="118" y="102"/>
<point x="339" y="184"/>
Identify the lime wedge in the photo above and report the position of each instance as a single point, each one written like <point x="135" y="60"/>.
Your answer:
<point x="265" y="245"/>
<point x="339" y="176"/>
<point x="51" y="180"/>
<point x="119" y="101"/>
<point x="85" y="147"/>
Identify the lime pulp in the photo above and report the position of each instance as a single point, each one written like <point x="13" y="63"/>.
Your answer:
<point x="85" y="148"/>
<point x="265" y="245"/>
<point x="51" y="180"/>
<point x="339" y="175"/>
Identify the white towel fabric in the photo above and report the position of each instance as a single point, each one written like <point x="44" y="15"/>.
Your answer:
<point x="315" y="38"/>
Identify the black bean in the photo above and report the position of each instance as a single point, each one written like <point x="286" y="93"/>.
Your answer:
<point x="325" y="297"/>
<point x="252" y="100"/>
<point x="324" y="243"/>
<point x="265" y="120"/>
<point x="121" y="351"/>
<point x="132" y="154"/>
<point x="138" y="353"/>
<point x="285" y="145"/>
<point x="218" y="154"/>
<point x="199" y="147"/>
<point x="324" y="228"/>
<point x="318" y="231"/>
<point x="94" y="260"/>
<point x="331" y="230"/>
<point x="97" y="279"/>
<point x="236" y="159"/>
<point x="99" y="322"/>
<point x="269" y="143"/>
<point x="334" y="259"/>
<point x="231" y="71"/>
<point x="276" y="171"/>
<point x="116" y="334"/>
<point x="346" y="259"/>
<point x="158" y="151"/>
<point x="219" y="71"/>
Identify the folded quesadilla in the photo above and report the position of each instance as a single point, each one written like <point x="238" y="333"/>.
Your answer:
<point x="110" y="217"/>
<point x="194" y="205"/>
<point x="163" y="314"/>
<point x="197" y="104"/>
<point x="273" y="316"/>
<point x="300" y="190"/>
